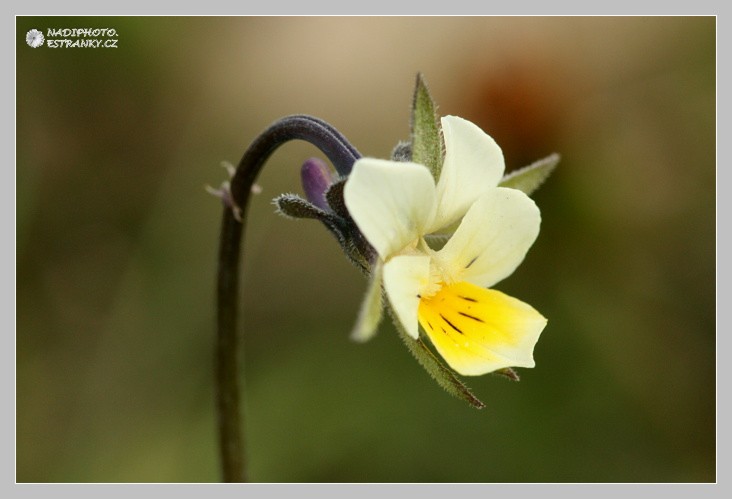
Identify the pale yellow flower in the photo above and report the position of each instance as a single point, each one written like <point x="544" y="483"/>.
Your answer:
<point x="398" y="205"/>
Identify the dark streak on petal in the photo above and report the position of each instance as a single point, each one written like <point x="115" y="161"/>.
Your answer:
<point x="467" y="298"/>
<point x="471" y="317"/>
<point x="451" y="324"/>
<point x="471" y="262"/>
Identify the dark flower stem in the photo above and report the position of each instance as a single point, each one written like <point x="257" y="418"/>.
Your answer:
<point x="342" y="154"/>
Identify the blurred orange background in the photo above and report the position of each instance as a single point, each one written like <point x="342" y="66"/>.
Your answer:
<point x="116" y="250"/>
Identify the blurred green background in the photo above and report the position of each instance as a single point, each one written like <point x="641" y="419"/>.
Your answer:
<point x="116" y="251"/>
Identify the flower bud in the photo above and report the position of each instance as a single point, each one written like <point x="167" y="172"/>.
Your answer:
<point x="316" y="178"/>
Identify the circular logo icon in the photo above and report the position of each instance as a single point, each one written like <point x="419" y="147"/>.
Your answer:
<point x="34" y="38"/>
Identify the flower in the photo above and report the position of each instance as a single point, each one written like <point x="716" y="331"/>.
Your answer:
<point x="397" y="206"/>
<point x="316" y="179"/>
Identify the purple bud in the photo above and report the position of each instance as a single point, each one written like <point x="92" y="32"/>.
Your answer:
<point x="316" y="178"/>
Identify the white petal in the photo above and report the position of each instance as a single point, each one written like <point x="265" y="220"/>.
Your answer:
<point x="405" y="277"/>
<point x="391" y="202"/>
<point x="492" y="239"/>
<point x="473" y="165"/>
<point x="371" y="308"/>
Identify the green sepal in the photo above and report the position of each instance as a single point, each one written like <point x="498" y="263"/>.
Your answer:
<point x="334" y="198"/>
<point x="353" y="243"/>
<point x="508" y="373"/>
<point x="529" y="178"/>
<point x="402" y="152"/>
<point x="427" y="148"/>
<point x="358" y="248"/>
<point x="372" y="307"/>
<point x="444" y="376"/>
<point x="293" y="206"/>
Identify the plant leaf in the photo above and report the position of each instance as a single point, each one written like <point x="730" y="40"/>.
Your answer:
<point x="529" y="178"/>
<point x="426" y="141"/>
<point x="439" y="372"/>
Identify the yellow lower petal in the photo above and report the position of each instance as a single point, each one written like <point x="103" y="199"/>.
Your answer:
<point x="478" y="330"/>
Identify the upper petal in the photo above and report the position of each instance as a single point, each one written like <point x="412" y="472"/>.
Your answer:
<point x="391" y="202"/>
<point x="492" y="239"/>
<point x="473" y="165"/>
<point x="405" y="278"/>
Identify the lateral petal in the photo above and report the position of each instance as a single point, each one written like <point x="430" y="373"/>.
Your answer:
<point x="492" y="239"/>
<point x="405" y="278"/>
<point x="391" y="202"/>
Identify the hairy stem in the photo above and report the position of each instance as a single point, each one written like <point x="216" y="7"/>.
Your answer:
<point x="342" y="154"/>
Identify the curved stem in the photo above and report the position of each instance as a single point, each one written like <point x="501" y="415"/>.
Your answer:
<point x="342" y="154"/>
